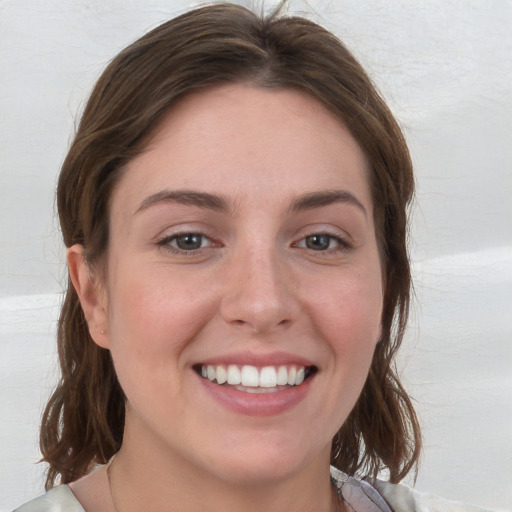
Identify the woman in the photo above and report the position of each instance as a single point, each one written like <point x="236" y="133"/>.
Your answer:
<point x="234" y="211"/>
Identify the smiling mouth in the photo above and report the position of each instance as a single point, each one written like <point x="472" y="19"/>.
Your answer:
<point x="253" y="379"/>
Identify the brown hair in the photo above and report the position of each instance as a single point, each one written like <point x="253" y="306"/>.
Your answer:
<point x="84" y="420"/>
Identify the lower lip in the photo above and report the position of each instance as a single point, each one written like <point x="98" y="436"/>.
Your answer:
<point x="257" y="404"/>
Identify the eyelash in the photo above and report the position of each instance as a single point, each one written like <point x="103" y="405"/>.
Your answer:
<point x="342" y="245"/>
<point x="166" y="242"/>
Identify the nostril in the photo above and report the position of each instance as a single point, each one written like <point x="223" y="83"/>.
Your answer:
<point x="258" y="296"/>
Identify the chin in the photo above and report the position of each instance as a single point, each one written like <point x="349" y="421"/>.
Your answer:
<point x="260" y="462"/>
<point x="257" y="472"/>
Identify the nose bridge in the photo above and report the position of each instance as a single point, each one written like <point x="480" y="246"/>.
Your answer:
<point x="258" y="294"/>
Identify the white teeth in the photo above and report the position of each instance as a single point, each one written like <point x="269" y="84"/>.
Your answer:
<point x="234" y="376"/>
<point x="282" y="376"/>
<point x="268" y="377"/>
<point x="249" y="376"/>
<point x="292" y="373"/>
<point x="222" y="375"/>
<point x="256" y="391"/>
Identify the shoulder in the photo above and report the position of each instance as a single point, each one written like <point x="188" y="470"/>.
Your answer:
<point x="360" y="495"/>
<point x="58" y="499"/>
<point x="373" y="495"/>
<point x="405" y="499"/>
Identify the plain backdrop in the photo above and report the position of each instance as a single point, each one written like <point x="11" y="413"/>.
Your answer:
<point x="444" y="66"/>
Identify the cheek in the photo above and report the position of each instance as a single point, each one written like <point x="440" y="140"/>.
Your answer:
<point x="151" y="326"/>
<point x="350" y="308"/>
<point x="153" y="316"/>
<point x="348" y="316"/>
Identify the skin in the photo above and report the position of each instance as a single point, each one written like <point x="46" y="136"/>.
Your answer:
<point x="256" y="286"/>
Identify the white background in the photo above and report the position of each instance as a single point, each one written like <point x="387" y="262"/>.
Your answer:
<point x="445" y="67"/>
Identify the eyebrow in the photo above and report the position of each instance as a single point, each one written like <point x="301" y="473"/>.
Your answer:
<point x="187" y="197"/>
<point x="321" y="198"/>
<point x="204" y="200"/>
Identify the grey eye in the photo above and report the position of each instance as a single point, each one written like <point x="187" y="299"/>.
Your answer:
<point x="318" y="242"/>
<point x="188" y="241"/>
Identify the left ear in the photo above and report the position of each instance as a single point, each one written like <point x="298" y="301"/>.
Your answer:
<point x="91" y="292"/>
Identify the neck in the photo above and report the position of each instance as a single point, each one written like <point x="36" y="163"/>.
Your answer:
<point x="156" y="479"/>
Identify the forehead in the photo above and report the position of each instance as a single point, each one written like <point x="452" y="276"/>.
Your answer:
<point x="247" y="141"/>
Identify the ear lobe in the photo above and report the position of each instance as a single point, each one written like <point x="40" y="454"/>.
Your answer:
<point x="91" y="294"/>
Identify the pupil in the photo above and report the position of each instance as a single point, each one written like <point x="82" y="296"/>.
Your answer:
<point x="317" y="242"/>
<point x="189" y="242"/>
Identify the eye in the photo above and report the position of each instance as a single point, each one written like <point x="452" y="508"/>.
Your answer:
<point x="185" y="242"/>
<point x="322" y="242"/>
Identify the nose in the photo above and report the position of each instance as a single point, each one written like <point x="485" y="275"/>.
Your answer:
<point x="259" y="293"/>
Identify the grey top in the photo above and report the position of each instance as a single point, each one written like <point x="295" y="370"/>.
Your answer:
<point x="359" y="495"/>
<point x="58" y="499"/>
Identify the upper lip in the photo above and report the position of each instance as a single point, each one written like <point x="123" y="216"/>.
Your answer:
<point x="255" y="359"/>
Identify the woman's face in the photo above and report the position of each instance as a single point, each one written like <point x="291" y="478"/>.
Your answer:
<point x="243" y="248"/>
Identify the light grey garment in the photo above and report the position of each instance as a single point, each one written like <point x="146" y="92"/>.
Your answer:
<point x="404" y="499"/>
<point x="58" y="499"/>
<point x="359" y="495"/>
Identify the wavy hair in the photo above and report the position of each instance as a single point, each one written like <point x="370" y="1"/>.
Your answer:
<point x="83" y="421"/>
